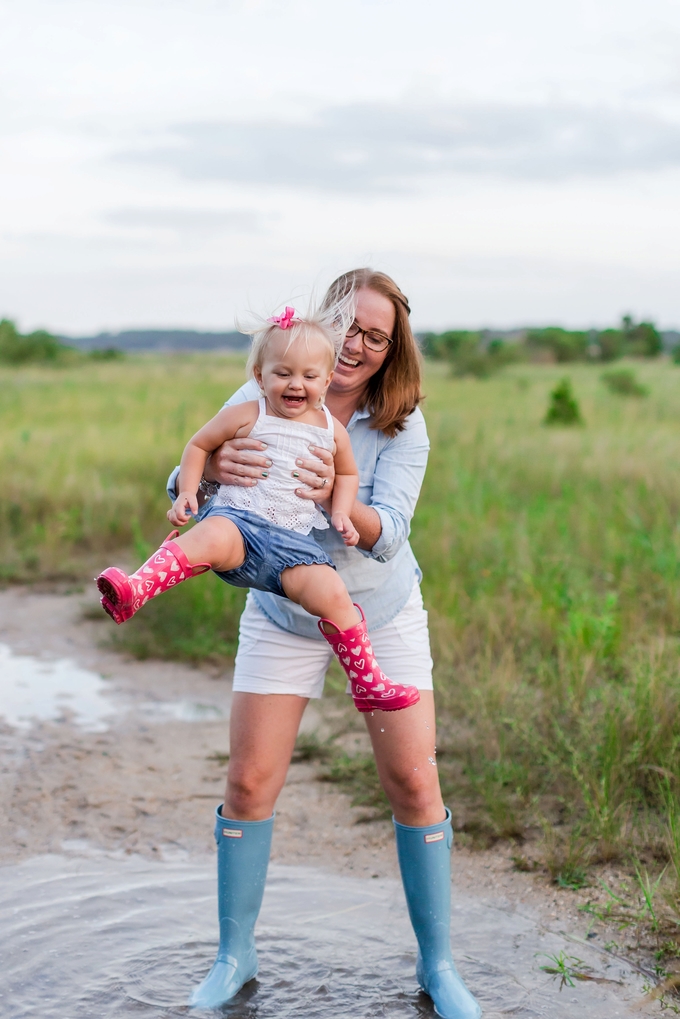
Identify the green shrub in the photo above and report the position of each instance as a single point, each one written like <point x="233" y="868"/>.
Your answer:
<point x="447" y="346"/>
<point x="106" y="354"/>
<point x="623" y="382"/>
<point x="482" y="362"/>
<point x="563" y="408"/>
<point x="36" y="346"/>
<point x="643" y="339"/>
<point x="562" y="343"/>
<point x="612" y="343"/>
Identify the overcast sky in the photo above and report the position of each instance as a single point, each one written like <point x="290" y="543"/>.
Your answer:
<point x="173" y="163"/>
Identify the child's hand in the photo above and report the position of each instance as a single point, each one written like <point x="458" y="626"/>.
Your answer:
<point x="342" y="523"/>
<point x="183" y="508"/>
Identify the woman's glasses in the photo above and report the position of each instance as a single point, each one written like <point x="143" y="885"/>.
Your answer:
<point x="370" y="337"/>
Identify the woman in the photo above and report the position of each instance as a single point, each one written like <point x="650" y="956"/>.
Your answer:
<point x="374" y="393"/>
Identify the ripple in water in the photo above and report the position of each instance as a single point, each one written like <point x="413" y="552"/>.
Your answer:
<point x="104" y="937"/>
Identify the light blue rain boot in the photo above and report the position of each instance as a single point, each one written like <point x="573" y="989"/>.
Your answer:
<point x="242" y="859"/>
<point x="425" y="863"/>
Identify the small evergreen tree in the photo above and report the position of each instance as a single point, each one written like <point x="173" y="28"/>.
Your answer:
<point x="563" y="408"/>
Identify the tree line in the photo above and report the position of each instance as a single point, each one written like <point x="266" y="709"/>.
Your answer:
<point x="480" y="353"/>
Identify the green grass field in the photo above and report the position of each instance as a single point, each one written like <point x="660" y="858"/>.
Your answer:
<point x="552" y="573"/>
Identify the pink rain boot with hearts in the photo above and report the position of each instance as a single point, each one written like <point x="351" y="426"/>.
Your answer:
<point x="123" y="595"/>
<point x="371" y="689"/>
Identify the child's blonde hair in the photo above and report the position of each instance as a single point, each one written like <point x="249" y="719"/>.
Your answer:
<point x="328" y="324"/>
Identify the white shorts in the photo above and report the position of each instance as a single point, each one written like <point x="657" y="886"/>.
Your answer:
<point x="272" y="660"/>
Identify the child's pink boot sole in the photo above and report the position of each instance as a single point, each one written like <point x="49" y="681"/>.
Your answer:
<point x="117" y="594"/>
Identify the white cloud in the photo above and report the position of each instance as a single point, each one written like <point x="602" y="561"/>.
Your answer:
<point x="374" y="147"/>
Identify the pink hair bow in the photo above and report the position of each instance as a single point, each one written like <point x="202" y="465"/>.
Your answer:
<point x="283" y="321"/>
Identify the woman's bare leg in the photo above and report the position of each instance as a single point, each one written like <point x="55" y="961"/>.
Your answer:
<point x="321" y="592"/>
<point x="263" y="731"/>
<point x="216" y="541"/>
<point x="404" y="746"/>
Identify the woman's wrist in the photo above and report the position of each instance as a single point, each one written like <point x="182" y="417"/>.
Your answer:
<point x="209" y="476"/>
<point x="208" y="488"/>
<point x="368" y="523"/>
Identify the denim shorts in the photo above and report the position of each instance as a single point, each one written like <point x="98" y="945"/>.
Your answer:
<point x="269" y="551"/>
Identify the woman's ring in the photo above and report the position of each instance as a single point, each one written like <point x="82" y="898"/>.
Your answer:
<point x="324" y="482"/>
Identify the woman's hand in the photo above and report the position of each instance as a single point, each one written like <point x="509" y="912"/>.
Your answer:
<point x="318" y="472"/>
<point x="238" y="462"/>
<point x="342" y="523"/>
<point x="183" y="509"/>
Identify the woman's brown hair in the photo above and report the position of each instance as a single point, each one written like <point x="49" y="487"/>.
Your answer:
<point x="394" y="391"/>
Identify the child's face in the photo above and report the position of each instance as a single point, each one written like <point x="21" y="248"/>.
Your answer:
<point x="294" y="380"/>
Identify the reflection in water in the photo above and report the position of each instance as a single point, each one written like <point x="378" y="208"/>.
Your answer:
<point x="180" y="711"/>
<point x="107" y="937"/>
<point x="32" y="689"/>
<point x="35" y="690"/>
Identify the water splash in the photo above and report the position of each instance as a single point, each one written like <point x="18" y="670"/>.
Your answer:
<point x="128" y="938"/>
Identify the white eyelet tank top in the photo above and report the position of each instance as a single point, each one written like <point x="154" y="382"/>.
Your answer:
<point x="275" y="498"/>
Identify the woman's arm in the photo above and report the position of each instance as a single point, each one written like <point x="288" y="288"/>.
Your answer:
<point x="397" y="476"/>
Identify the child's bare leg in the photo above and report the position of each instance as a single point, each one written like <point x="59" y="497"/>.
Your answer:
<point x="217" y="541"/>
<point x="321" y="592"/>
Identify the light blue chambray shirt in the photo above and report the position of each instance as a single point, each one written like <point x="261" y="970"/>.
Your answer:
<point x="391" y="473"/>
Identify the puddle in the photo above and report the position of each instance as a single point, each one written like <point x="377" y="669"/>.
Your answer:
<point x="110" y="937"/>
<point x="34" y="690"/>
<point x="181" y="711"/>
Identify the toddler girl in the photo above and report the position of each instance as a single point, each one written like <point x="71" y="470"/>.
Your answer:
<point x="260" y="537"/>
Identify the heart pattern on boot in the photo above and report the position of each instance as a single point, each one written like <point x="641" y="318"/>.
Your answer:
<point x="124" y="595"/>
<point x="355" y="653"/>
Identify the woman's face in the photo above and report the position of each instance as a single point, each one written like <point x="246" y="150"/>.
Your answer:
<point x="357" y="363"/>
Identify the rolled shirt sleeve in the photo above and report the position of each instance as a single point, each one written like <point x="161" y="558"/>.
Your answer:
<point x="397" y="480"/>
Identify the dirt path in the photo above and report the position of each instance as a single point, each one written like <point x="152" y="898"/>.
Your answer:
<point x="148" y="784"/>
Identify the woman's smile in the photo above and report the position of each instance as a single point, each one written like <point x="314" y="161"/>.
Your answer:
<point x="349" y="362"/>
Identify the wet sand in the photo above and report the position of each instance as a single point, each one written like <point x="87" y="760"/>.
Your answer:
<point x="147" y="784"/>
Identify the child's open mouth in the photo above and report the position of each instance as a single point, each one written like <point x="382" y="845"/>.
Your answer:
<point x="293" y="401"/>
